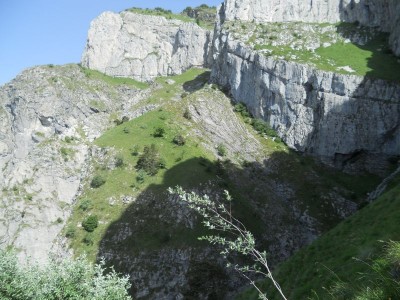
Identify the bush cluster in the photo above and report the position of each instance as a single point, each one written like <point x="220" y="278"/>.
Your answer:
<point x="259" y="125"/>
<point x="140" y="177"/>
<point x="85" y="205"/>
<point x="135" y="150"/>
<point x="159" y="132"/>
<point x="150" y="160"/>
<point x="179" y="140"/>
<point x="60" y="279"/>
<point x="123" y="120"/>
<point x="97" y="181"/>
<point x="221" y="150"/>
<point x="90" y="223"/>
<point x="186" y="114"/>
<point x="119" y="161"/>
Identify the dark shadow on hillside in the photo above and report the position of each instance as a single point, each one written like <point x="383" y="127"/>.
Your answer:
<point x="155" y="239"/>
<point x="374" y="104"/>
<point x="198" y="83"/>
<point x="355" y="122"/>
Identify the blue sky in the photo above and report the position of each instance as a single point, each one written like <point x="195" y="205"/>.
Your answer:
<point x="54" y="32"/>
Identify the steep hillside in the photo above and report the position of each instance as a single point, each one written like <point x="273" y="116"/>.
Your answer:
<point x="147" y="233"/>
<point x="87" y="155"/>
<point x="50" y="114"/>
<point x="342" y="255"/>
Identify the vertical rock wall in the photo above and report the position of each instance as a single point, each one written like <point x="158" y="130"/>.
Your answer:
<point x="329" y="115"/>
<point x="144" y="46"/>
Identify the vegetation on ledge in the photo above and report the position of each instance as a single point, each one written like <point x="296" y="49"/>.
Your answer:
<point x="344" y="48"/>
<point x="113" y="81"/>
<point x="158" y="11"/>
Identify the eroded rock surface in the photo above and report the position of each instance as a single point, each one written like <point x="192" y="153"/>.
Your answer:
<point x="375" y="13"/>
<point x="48" y="115"/>
<point x="319" y="112"/>
<point x="144" y="46"/>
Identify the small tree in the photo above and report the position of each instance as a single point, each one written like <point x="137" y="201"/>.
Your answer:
<point x="240" y="240"/>
<point x="221" y="150"/>
<point x="135" y="150"/>
<point x="159" y="132"/>
<point x="179" y="140"/>
<point x="90" y="223"/>
<point x="97" y="181"/>
<point x="149" y="160"/>
<point x="119" y="161"/>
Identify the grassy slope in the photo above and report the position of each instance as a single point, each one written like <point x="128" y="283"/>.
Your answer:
<point x="122" y="181"/>
<point x="373" y="59"/>
<point x="330" y="258"/>
<point x="191" y="165"/>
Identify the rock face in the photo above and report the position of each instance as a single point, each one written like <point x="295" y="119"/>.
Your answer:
<point x="144" y="46"/>
<point x="330" y="115"/>
<point x="47" y="116"/>
<point x="375" y="13"/>
<point x="394" y="39"/>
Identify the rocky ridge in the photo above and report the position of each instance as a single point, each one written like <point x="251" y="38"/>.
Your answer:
<point x="384" y="14"/>
<point x="49" y="116"/>
<point x="144" y="46"/>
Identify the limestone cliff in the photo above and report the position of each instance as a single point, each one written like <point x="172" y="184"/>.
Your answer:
<point x="144" y="46"/>
<point x="330" y="115"/>
<point x="48" y="114"/>
<point x="375" y="13"/>
<point x="327" y="114"/>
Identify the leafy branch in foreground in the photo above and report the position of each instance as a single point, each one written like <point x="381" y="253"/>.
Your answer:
<point x="235" y="238"/>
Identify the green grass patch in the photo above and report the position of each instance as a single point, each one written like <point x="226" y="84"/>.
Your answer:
<point x="373" y="59"/>
<point x="162" y="13"/>
<point x="113" y="81"/>
<point x="67" y="153"/>
<point x="295" y="41"/>
<point x="100" y="105"/>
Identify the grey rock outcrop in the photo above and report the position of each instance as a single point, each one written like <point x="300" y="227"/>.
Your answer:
<point x="48" y="115"/>
<point x="329" y="115"/>
<point x="144" y="46"/>
<point x="375" y="13"/>
<point x="218" y="125"/>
